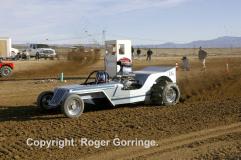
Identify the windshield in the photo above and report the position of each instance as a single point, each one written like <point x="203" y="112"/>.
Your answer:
<point x="42" y="46"/>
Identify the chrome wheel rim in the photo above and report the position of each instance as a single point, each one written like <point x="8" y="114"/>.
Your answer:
<point x="6" y="72"/>
<point x="74" y="107"/>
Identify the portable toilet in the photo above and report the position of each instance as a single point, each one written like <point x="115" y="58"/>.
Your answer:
<point x="118" y="57"/>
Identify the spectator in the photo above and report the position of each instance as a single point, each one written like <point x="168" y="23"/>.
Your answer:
<point x="132" y="51"/>
<point x="185" y="63"/>
<point x="202" y="55"/>
<point x="37" y="57"/>
<point x="138" y="52"/>
<point x="149" y="53"/>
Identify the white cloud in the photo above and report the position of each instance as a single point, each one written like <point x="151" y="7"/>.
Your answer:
<point x="36" y="19"/>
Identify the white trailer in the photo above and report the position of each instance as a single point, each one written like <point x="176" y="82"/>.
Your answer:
<point x="5" y="47"/>
<point x="117" y="52"/>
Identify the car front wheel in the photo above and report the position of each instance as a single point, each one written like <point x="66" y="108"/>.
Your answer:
<point x="73" y="106"/>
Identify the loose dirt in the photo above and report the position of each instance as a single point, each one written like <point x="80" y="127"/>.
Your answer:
<point x="204" y="125"/>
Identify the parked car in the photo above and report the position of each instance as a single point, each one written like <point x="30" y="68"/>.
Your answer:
<point x="40" y="51"/>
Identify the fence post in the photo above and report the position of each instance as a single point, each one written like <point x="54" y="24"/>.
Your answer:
<point x="62" y="77"/>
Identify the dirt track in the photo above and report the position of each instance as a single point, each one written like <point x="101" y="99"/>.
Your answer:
<point x="171" y="147"/>
<point x="210" y="100"/>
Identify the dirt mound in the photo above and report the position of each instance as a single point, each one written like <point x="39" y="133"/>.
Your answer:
<point x="215" y="83"/>
<point x="210" y="86"/>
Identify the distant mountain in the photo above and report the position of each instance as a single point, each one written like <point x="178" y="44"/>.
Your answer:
<point x="221" y="42"/>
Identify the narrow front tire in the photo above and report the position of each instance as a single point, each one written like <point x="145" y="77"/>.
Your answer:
<point x="73" y="106"/>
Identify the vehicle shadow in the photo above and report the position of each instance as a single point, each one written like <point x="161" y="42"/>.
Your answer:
<point x="108" y="106"/>
<point x="27" y="113"/>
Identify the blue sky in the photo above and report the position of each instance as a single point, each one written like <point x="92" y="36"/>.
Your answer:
<point x="142" y="21"/>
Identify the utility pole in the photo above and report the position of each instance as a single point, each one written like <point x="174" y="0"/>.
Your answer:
<point x="103" y="37"/>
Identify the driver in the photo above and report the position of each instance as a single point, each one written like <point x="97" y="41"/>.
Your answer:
<point x="102" y="77"/>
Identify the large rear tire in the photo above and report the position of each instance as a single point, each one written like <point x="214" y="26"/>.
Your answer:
<point x="43" y="100"/>
<point x="171" y="94"/>
<point x="5" y="71"/>
<point x="165" y="93"/>
<point x="73" y="106"/>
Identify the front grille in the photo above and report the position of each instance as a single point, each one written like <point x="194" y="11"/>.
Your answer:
<point x="48" y="52"/>
<point x="58" y="96"/>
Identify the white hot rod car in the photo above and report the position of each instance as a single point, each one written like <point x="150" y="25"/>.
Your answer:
<point x="117" y="84"/>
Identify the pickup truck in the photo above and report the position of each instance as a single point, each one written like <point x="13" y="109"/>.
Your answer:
<point x="40" y="51"/>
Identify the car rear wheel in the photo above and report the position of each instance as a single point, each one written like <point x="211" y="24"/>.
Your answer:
<point x="170" y="94"/>
<point x="165" y="93"/>
<point x="73" y="106"/>
<point x="5" y="71"/>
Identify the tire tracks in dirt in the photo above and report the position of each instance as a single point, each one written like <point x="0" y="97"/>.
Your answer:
<point x="17" y="150"/>
<point x="167" y="144"/>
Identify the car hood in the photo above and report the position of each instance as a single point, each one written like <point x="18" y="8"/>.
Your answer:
<point x="46" y="49"/>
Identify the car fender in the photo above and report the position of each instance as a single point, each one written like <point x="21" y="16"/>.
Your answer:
<point x="11" y="65"/>
<point x="92" y="95"/>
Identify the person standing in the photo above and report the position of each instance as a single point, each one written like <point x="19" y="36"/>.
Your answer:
<point x="37" y="57"/>
<point x="185" y="63"/>
<point x="202" y="55"/>
<point x="138" y="52"/>
<point x="148" y="56"/>
<point x="132" y="51"/>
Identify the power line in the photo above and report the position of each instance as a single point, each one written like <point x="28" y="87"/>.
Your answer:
<point x="103" y="37"/>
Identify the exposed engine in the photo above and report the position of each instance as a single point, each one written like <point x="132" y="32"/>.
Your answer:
<point x="128" y="82"/>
